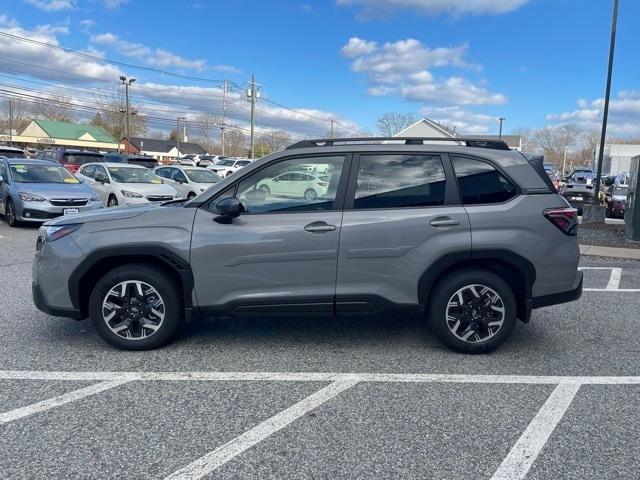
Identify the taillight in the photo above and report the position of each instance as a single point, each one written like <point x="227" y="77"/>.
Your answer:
<point x="566" y="219"/>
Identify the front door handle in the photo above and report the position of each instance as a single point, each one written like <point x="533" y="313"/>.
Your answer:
<point x="319" y="227"/>
<point x="444" y="222"/>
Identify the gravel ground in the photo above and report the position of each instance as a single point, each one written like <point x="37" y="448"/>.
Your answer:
<point x="605" y="236"/>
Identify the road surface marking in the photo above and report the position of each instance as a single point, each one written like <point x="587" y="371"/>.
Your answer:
<point x="59" y="400"/>
<point x="525" y="451"/>
<point x="614" y="280"/>
<point x="317" y="377"/>
<point x="223" y="454"/>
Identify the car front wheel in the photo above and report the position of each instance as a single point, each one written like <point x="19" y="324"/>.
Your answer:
<point x="10" y="214"/>
<point x="472" y="311"/>
<point x="136" y="307"/>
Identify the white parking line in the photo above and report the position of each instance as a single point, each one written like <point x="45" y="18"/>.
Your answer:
<point x="317" y="377"/>
<point x="525" y="451"/>
<point x="59" y="400"/>
<point x="614" y="281"/>
<point x="221" y="455"/>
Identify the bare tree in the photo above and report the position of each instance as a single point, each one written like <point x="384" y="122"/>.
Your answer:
<point x="272" y="141"/>
<point x="112" y="116"/>
<point x="20" y="117"/>
<point x="391" y="123"/>
<point x="525" y="134"/>
<point x="235" y="143"/>
<point x="208" y="131"/>
<point x="553" y="141"/>
<point x="54" y="106"/>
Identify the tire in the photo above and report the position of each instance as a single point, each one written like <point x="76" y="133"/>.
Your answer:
<point x="310" y="194"/>
<point x="112" y="202"/>
<point x="608" y="212"/>
<point x="265" y="189"/>
<point x="227" y="174"/>
<point x="136" y="309"/>
<point x="10" y="214"/>
<point x="191" y="195"/>
<point x="476" y="314"/>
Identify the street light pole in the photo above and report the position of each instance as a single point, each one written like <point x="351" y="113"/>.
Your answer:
<point x="127" y="84"/>
<point x="605" y="113"/>
<point x="501" y="119"/>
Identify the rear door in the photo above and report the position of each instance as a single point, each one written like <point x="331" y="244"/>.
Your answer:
<point x="401" y="215"/>
<point x="280" y="255"/>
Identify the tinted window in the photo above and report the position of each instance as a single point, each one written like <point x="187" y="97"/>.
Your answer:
<point x="392" y="181"/>
<point x="480" y="183"/>
<point x="273" y="190"/>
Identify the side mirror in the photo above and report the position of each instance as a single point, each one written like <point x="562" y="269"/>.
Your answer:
<point x="228" y="209"/>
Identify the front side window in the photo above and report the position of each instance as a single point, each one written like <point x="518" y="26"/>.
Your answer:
<point x="281" y="188"/>
<point x="397" y="181"/>
<point x="480" y="183"/>
<point x="133" y="175"/>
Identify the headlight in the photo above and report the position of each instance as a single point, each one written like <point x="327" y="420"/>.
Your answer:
<point x="51" y="234"/>
<point x="129" y="194"/>
<point x="28" y="197"/>
<point x="95" y="198"/>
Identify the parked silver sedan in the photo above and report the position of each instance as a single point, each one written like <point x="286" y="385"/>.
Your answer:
<point x="37" y="190"/>
<point x="189" y="181"/>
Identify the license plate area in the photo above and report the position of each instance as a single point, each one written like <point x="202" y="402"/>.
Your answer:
<point x="70" y="211"/>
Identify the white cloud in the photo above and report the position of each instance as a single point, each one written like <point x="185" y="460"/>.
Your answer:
<point x="52" y="5"/>
<point x="113" y="4"/>
<point x="157" y="57"/>
<point x="624" y="114"/>
<point x="455" y="8"/>
<point x="404" y="68"/>
<point x="464" y="121"/>
<point x="357" y="46"/>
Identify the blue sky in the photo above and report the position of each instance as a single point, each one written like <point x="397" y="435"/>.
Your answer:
<point x="464" y="63"/>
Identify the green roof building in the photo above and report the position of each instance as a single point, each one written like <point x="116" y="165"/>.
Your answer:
<point x="66" y="134"/>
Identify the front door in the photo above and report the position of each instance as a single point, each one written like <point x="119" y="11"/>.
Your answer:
<point x="401" y="215"/>
<point x="280" y="255"/>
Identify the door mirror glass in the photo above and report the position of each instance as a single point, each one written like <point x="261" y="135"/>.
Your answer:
<point x="228" y="209"/>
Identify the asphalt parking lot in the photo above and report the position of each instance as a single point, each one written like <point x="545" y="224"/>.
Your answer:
<point x="324" y="399"/>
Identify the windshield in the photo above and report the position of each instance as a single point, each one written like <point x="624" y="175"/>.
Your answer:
<point x="26" y="173"/>
<point x="227" y="163"/>
<point x="133" y="175"/>
<point x="202" y="176"/>
<point x="12" y="154"/>
<point x="81" y="158"/>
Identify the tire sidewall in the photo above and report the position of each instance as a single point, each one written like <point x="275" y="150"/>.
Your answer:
<point x="448" y="286"/>
<point x="115" y="201"/>
<point x="158" y="280"/>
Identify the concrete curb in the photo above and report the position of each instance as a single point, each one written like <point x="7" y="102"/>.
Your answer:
<point x="616" y="252"/>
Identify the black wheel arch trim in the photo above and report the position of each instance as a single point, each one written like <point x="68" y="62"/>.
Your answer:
<point x="160" y="252"/>
<point x="451" y="260"/>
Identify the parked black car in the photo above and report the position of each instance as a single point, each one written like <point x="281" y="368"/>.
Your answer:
<point x="616" y="200"/>
<point x="142" y="160"/>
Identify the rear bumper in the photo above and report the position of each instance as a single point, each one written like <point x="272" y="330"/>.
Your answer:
<point x="561" y="297"/>
<point x="41" y="304"/>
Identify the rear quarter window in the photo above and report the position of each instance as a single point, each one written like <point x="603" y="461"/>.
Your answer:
<point x="480" y="183"/>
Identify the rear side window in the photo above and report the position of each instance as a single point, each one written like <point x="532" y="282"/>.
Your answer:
<point x="89" y="171"/>
<point x="480" y="183"/>
<point x="396" y="181"/>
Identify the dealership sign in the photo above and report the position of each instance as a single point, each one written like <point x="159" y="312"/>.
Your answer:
<point x="45" y="140"/>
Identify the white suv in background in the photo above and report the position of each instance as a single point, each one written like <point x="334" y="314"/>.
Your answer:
<point x="124" y="184"/>
<point x="189" y="181"/>
<point x="226" y="167"/>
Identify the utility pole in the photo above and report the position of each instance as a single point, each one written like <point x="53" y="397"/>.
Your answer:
<point x="10" y="122"/>
<point x="253" y="94"/>
<point x="502" y="119"/>
<point x="178" y="118"/>
<point x="224" y="113"/>
<point x="332" y="128"/>
<point x="605" y="113"/>
<point x="564" y="161"/>
<point x="127" y="84"/>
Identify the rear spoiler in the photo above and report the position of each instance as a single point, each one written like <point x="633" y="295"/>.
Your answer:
<point x="537" y="162"/>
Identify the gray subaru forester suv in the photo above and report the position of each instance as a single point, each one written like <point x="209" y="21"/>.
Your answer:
<point x="467" y="233"/>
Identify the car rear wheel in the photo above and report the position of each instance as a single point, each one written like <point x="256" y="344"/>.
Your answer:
<point x="10" y="214"/>
<point x="265" y="189"/>
<point x="112" y="202"/>
<point x="136" y="307"/>
<point x="472" y="311"/>
<point x="310" y="194"/>
<point x="191" y="195"/>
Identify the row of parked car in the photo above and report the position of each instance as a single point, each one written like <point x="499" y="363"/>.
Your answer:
<point x="66" y="182"/>
<point x="579" y="187"/>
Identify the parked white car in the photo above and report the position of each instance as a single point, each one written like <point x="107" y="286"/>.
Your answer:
<point x="226" y="167"/>
<point x="125" y="184"/>
<point x="296" y="185"/>
<point x="189" y="181"/>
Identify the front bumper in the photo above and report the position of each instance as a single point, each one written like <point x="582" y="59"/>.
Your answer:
<point x="41" y="304"/>
<point x="43" y="211"/>
<point x="560" y="297"/>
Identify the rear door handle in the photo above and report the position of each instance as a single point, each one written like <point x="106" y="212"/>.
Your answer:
<point x="319" y="227"/>
<point x="444" y="222"/>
